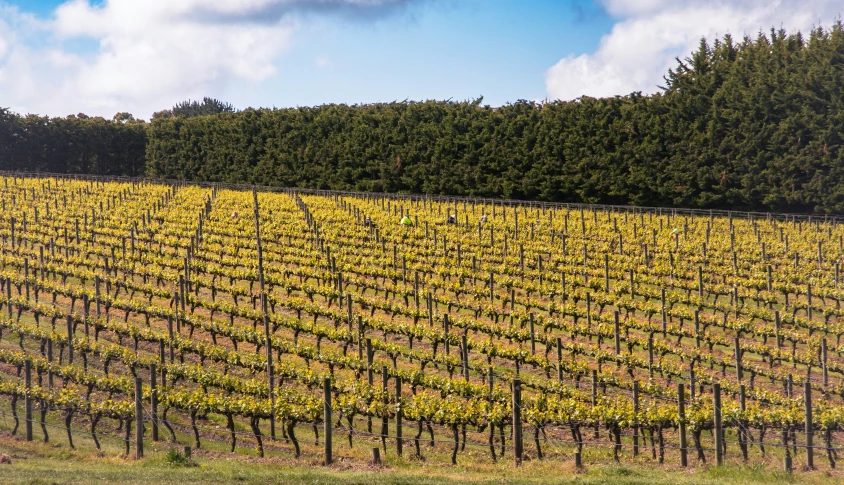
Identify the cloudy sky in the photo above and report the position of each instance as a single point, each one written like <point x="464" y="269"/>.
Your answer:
<point x="104" y="56"/>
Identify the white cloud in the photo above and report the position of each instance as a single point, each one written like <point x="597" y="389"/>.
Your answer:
<point x="650" y="33"/>
<point x="149" y="54"/>
<point x="322" y="62"/>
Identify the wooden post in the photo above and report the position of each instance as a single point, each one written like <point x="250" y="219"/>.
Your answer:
<point x="385" y="422"/>
<point x="636" y="424"/>
<point x="741" y="431"/>
<point x="139" y="419"/>
<point x="560" y="359"/>
<point x="446" y="344"/>
<point x="823" y="363"/>
<point x="268" y="345"/>
<point x="430" y="309"/>
<point x="651" y="354"/>
<point x="264" y="308"/>
<point x="9" y="296"/>
<point x="153" y="400"/>
<point x="350" y="314"/>
<point x="719" y="436"/>
<point x="738" y="359"/>
<point x="809" y="301"/>
<point x="85" y="314"/>
<point x="182" y="301"/>
<point x="50" y="360"/>
<point x="69" y="339"/>
<point x="464" y="354"/>
<point x="517" y="422"/>
<point x="170" y="335"/>
<point x="369" y="378"/>
<point x="532" y="336"/>
<point x="416" y="288"/>
<point x="398" y="417"/>
<point x="681" y="412"/>
<point x="697" y="328"/>
<point x="326" y="421"/>
<point x="810" y="429"/>
<point x="562" y="287"/>
<point x="617" y="336"/>
<point x="27" y="398"/>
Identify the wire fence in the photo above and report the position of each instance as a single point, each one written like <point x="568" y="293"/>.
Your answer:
<point x="827" y="218"/>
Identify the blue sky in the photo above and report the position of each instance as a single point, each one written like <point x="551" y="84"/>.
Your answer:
<point x="460" y="50"/>
<point x="101" y="57"/>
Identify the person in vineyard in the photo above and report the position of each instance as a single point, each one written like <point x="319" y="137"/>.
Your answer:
<point x="405" y="221"/>
<point x="234" y="215"/>
<point x="483" y="219"/>
<point x="452" y="219"/>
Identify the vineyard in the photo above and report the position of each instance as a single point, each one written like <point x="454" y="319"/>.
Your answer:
<point x="314" y="324"/>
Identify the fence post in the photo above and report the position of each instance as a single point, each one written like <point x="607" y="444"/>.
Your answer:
<point x="681" y="411"/>
<point x="85" y="312"/>
<point x="810" y="430"/>
<point x="27" y="369"/>
<point x="360" y="337"/>
<point x="170" y="335"/>
<point x="153" y="400"/>
<point x="385" y="421"/>
<point x="823" y="363"/>
<point x="9" y="296"/>
<point x="560" y="359"/>
<point x="139" y="419"/>
<point x="446" y="345"/>
<point x="532" y="336"/>
<point x="369" y="378"/>
<point x="326" y="391"/>
<point x="741" y="432"/>
<point x="636" y="423"/>
<point x="50" y="360"/>
<point x="517" y="422"/>
<point x="719" y="450"/>
<point x="69" y="339"/>
<point x="464" y="345"/>
<point x="398" y="417"/>
<point x="270" y="374"/>
<point x="617" y="337"/>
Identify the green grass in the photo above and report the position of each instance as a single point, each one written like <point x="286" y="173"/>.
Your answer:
<point x="39" y="463"/>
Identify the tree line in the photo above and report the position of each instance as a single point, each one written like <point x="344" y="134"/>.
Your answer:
<point x="753" y="124"/>
<point x="74" y="144"/>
